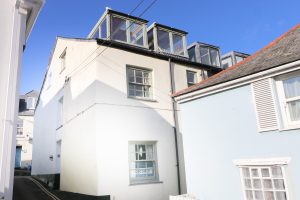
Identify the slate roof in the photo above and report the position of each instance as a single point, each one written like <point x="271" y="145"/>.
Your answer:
<point x="283" y="50"/>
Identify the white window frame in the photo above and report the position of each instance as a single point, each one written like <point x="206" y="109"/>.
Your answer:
<point x="32" y="100"/>
<point x="187" y="80"/>
<point x="285" y="113"/>
<point x="132" y="159"/>
<point x="20" y="129"/>
<point x="62" y="58"/>
<point x="150" y="85"/>
<point x="260" y="164"/>
<point x="209" y="55"/>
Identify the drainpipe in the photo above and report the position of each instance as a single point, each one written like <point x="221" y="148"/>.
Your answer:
<point x="174" y="106"/>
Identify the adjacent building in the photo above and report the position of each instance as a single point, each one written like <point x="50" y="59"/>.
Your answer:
<point x="105" y="123"/>
<point x="231" y="58"/>
<point x="241" y="127"/>
<point x="24" y="134"/>
<point x="17" y="19"/>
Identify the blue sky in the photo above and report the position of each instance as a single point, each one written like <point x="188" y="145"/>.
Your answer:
<point x="245" y="26"/>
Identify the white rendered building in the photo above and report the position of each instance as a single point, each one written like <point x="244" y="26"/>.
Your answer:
<point x="105" y="121"/>
<point x="16" y="18"/>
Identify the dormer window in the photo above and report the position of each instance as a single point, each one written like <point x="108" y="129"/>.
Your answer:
<point x="120" y="27"/>
<point x="30" y="103"/>
<point x="205" y="54"/>
<point x="168" y="40"/>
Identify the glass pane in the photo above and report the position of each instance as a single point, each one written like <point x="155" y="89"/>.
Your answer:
<point x="246" y="172"/>
<point x="139" y="76"/>
<point x="269" y="196"/>
<point x="247" y="183"/>
<point x="163" y="41"/>
<point x="249" y="195"/>
<point x="265" y="172"/>
<point x="130" y="73"/>
<point x="96" y="34"/>
<point x="279" y="184"/>
<point x="118" y="29"/>
<point x="276" y="172"/>
<point x="267" y="183"/>
<point x="140" y="165"/>
<point x="136" y="34"/>
<point x="238" y="59"/>
<point x="178" y="44"/>
<point x="254" y="172"/>
<point x="227" y="62"/>
<point x="150" y="39"/>
<point x="103" y="29"/>
<point x="146" y="91"/>
<point x="191" y="77"/>
<point x="258" y="195"/>
<point x="204" y="55"/>
<point x="214" y="57"/>
<point x="256" y="183"/>
<point x="192" y="54"/>
<point x="294" y="110"/>
<point x="292" y="87"/>
<point x="280" y="196"/>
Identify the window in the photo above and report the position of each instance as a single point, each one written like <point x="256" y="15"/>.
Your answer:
<point x="163" y="41"/>
<point x="103" y="29"/>
<point x="289" y="96"/>
<point x="143" y="162"/>
<point x="178" y="44"/>
<point x="209" y="56"/>
<point x="191" y="78"/>
<point x="136" y="34"/>
<point x="118" y="29"/>
<point x="264" y="182"/>
<point x="239" y="59"/>
<point x="62" y="58"/>
<point x="192" y="54"/>
<point x="30" y="103"/>
<point x="19" y="127"/>
<point x="139" y="83"/>
<point x="227" y="62"/>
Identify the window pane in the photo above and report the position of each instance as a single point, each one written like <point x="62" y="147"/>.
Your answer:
<point x="254" y="172"/>
<point x="227" y="62"/>
<point x="103" y="29"/>
<point x="192" y="54"/>
<point x="178" y="44"/>
<point x="249" y="195"/>
<point x="204" y="55"/>
<point x="280" y="196"/>
<point x="292" y="87"/>
<point x="96" y="34"/>
<point x="258" y="195"/>
<point x="265" y="172"/>
<point x="267" y="183"/>
<point x="130" y="73"/>
<point x="191" y="78"/>
<point x="269" y="196"/>
<point x="247" y="183"/>
<point x="118" y="29"/>
<point x="136" y="34"/>
<point x="214" y="57"/>
<point x="238" y="59"/>
<point x="246" y="172"/>
<point x="256" y="183"/>
<point x="294" y="109"/>
<point x="276" y="172"/>
<point x="279" y="184"/>
<point x="163" y="40"/>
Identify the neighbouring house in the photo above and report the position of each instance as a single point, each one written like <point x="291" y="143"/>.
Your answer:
<point x="231" y="58"/>
<point x="17" y="18"/>
<point x="105" y="123"/>
<point x="25" y="122"/>
<point x="241" y="127"/>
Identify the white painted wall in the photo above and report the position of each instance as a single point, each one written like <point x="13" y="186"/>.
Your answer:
<point x="15" y="28"/>
<point x="100" y="120"/>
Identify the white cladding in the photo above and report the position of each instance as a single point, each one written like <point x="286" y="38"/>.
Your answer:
<point x="90" y="149"/>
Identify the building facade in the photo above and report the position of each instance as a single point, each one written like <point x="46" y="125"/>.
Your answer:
<point x="248" y="144"/>
<point x="105" y="120"/>
<point x="17" y="19"/>
<point x="24" y="134"/>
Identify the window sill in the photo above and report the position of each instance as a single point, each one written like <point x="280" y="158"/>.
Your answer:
<point x="145" y="183"/>
<point x="143" y="99"/>
<point x="289" y="128"/>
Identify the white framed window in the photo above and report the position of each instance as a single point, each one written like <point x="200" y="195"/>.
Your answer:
<point x="191" y="78"/>
<point x="264" y="179"/>
<point x="19" y="127"/>
<point x="209" y="56"/>
<point x="30" y="103"/>
<point x="62" y="58"/>
<point x="288" y="88"/>
<point x="139" y="82"/>
<point x="143" y="162"/>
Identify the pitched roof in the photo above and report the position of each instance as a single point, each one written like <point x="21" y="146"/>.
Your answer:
<point x="284" y="49"/>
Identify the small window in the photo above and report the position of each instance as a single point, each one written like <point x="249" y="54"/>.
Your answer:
<point x="30" y="103"/>
<point x="136" y="34"/>
<point x="139" y="83"/>
<point x="62" y="58"/>
<point x="191" y="78"/>
<point x="163" y="41"/>
<point x="19" y="127"/>
<point x="289" y="95"/>
<point x="103" y="29"/>
<point x="192" y="54"/>
<point x="143" y="162"/>
<point x="264" y="182"/>
<point x="204" y="54"/>
<point x="210" y="56"/>
<point x="227" y="62"/>
<point x="178" y="44"/>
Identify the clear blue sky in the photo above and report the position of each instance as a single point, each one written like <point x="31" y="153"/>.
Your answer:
<point x="245" y="26"/>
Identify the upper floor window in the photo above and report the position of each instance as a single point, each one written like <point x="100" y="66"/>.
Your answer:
<point x="30" y="103"/>
<point x="163" y="40"/>
<point x="239" y="59"/>
<point x="191" y="78"/>
<point x="227" y="62"/>
<point x="143" y="162"/>
<point x="289" y="94"/>
<point x="139" y="83"/>
<point x="192" y="54"/>
<point x="19" y="127"/>
<point x="62" y="58"/>
<point x="209" y="56"/>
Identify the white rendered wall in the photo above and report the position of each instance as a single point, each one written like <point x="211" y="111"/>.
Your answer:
<point x="100" y="120"/>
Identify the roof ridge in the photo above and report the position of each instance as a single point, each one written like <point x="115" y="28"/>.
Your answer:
<point x="240" y="63"/>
